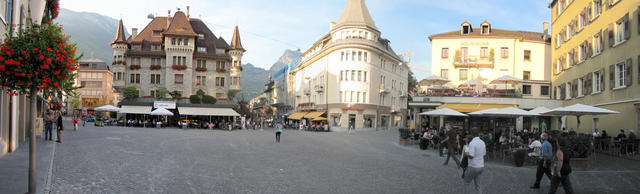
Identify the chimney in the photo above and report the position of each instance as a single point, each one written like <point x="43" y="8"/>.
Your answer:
<point x="331" y="25"/>
<point x="168" y="17"/>
<point x="545" y="27"/>
<point x="134" y="32"/>
<point x="187" y="11"/>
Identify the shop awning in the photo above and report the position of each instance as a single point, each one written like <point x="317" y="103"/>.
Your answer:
<point x="197" y="111"/>
<point x="135" y="109"/>
<point x="313" y="115"/>
<point x="297" y="115"/>
<point x="466" y="108"/>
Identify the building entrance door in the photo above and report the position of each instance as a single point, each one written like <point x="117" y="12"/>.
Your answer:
<point x="352" y="121"/>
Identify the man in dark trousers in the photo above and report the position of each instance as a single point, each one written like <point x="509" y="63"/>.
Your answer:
<point x="544" y="161"/>
<point x="451" y="139"/>
<point x="48" y="126"/>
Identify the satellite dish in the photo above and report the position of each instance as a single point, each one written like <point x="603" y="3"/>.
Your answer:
<point x="150" y="16"/>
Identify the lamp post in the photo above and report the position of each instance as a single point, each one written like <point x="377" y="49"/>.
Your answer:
<point x="36" y="11"/>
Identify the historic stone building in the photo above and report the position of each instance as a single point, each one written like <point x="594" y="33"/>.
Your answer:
<point x="351" y="75"/>
<point x="180" y="53"/>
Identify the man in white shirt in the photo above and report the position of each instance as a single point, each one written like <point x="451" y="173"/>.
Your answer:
<point x="476" y="152"/>
<point x="536" y="146"/>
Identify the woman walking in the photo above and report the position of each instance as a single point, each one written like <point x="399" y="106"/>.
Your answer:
<point x="278" y="132"/>
<point x="60" y="127"/>
<point x="562" y="168"/>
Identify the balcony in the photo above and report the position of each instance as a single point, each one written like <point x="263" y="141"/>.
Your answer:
<point x="384" y="90"/>
<point x="307" y="92"/>
<point x="473" y="62"/>
<point x="319" y="88"/>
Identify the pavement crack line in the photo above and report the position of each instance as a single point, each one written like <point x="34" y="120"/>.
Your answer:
<point x="47" y="181"/>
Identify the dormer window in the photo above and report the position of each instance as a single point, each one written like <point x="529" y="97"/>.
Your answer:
<point x="485" y="27"/>
<point x="466" y="28"/>
<point x="202" y="49"/>
<point x="200" y="36"/>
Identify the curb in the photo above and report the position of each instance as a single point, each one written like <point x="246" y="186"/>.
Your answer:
<point x="47" y="182"/>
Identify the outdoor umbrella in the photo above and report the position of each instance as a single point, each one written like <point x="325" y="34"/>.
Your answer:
<point x="107" y="108"/>
<point x="540" y="110"/>
<point x="509" y="112"/>
<point x="443" y="112"/>
<point x="480" y="112"/>
<point x="434" y="80"/>
<point x="162" y="112"/>
<point x="505" y="79"/>
<point x="579" y="110"/>
<point x="319" y="119"/>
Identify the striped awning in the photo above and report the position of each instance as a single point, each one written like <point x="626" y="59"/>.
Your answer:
<point x="297" y="115"/>
<point x="313" y="115"/>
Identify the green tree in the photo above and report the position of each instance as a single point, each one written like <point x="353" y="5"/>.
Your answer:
<point x="207" y="99"/>
<point x="194" y="99"/>
<point x="161" y="93"/>
<point x="175" y="95"/>
<point x="231" y="94"/>
<point x="200" y="93"/>
<point x="130" y="92"/>
<point x="412" y="83"/>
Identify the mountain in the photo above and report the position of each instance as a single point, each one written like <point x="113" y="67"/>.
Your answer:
<point x="91" y="31"/>
<point x="288" y="57"/>
<point x="253" y="81"/>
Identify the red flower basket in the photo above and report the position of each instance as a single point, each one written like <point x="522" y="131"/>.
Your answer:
<point x="155" y="67"/>
<point x="221" y="70"/>
<point x="179" y="67"/>
<point x="134" y="67"/>
<point x="201" y="69"/>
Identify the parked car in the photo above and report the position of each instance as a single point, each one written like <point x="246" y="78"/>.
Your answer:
<point x="91" y="118"/>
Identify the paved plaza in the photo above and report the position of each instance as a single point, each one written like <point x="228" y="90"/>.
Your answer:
<point x="169" y="160"/>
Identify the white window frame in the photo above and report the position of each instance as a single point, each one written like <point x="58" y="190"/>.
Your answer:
<point x="569" y="60"/>
<point x="619" y="29"/>
<point x="597" y="45"/>
<point x="595" y="10"/>
<point x="567" y="91"/>
<point x="620" y="69"/>
<point x="580" y="86"/>
<point x="597" y="88"/>
<point x="558" y="40"/>
<point x="581" y="21"/>
<point x="568" y="32"/>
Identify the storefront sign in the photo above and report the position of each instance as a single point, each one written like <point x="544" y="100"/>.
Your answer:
<point x="164" y="104"/>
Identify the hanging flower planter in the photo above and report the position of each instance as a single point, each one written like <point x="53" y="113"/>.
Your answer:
<point x="201" y="69"/>
<point x="155" y="67"/>
<point x="221" y="70"/>
<point x="134" y="67"/>
<point x="179" y="67"/>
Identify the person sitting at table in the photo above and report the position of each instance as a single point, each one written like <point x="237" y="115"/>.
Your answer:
<point x="596" y="134"/>
<point x="621" y="135"/>
<point x="535" y="146"/>
<point x="503" y="139"/>
<point x="572" y="132"/>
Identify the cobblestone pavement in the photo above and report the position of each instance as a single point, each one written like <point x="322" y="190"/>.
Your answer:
<point x="148" y="160"/>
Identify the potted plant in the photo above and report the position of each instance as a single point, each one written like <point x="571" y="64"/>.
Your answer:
<point x="155" y="67"/>
<point x="201" y="69"/>
<point x="221" y="70"/>
<point x="404" y="136"/>
<point x="134" y="67"/>
<point x="577" y="146"/>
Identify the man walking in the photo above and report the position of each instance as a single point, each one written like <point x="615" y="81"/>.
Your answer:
<point x="476" y="151"/>
<point x="451" y="140"/>
<point x="544" y="161"/>
<point x="48" y="126"/>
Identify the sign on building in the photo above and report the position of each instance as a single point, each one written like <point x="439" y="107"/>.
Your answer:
<point x="164" y="104"/>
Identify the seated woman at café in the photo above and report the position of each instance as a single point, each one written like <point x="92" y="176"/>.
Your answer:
<point x="535" y="146"/>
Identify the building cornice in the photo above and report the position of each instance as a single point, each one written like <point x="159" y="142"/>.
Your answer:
<point x="340" y="45"/>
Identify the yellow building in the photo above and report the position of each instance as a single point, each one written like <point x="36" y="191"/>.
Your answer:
<point x="487" y="53"/>
<point x="97" y="83"/>
<point x="596" y="51"/>
<point x="352" y="76"/>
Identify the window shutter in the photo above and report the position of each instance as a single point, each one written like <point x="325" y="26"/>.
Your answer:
<point x="628" y="72"/>
<point x="612" y="72"/>
<point x="563" y="91"/>
<point x="610" y="40"/>
<point x="574" y="88"/>
<point x="555" y="68"/>
<point x="589" y="78"/>
<point x="638" y="69"/>
<point x="601" y="41"/>
<point x="575" y="59"/>
<point x="627" y="28"/>
<point x="589" y="48"/>
<point x="638" y="19"/>
<point x="602" y="80"/>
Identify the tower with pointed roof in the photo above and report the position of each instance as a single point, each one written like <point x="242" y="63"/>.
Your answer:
<point x="179" y="53"/>
<point x="236" y="51"/>
<point x="351" y="76"/>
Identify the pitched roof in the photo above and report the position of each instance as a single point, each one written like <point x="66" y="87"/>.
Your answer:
<point x="180" y="25"/>
<point x="210" y="41"/>
<point x="235" y="40"/>
<point x="533" y="36"/>
<point x="356" y="13"/>
<point x="120" y="36"/>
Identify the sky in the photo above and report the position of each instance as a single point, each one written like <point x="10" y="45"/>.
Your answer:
<point x="268" y="27"/>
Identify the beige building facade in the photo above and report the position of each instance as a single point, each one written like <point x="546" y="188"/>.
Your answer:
<point x="596" y="55"/>
<point x="97" y="83"/>
<point x="352" y="75"/>
<point x="487" y="53"/>
<point x="179" y="53"/>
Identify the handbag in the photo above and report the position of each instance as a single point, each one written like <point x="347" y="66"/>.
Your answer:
<point x="61" y="127"/>
<point x="465" y="162"/>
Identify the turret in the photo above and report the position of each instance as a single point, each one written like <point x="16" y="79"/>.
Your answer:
<point x="120" y="46"/>
<point x="236" y="52"/>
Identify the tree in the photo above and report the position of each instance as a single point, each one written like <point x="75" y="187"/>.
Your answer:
<point x="209" y="99"/>
<point x="194" y="99"/>
<point x="231" y="94"/>
<point x="130" y="92"/>
<point x="412" y="83"/>
<point x="243" y="108"/>
<point x="200" y="92"/>
<point x="38" y="59"/>
<point x="161" y="92"/>
<point x="75" y="102"/>
<point x="175" y="94"/>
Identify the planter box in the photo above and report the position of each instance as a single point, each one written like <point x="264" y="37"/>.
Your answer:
<point x="404" y="142"/>
<point x="579" y="163"/>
